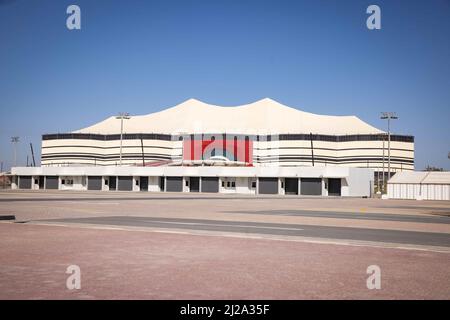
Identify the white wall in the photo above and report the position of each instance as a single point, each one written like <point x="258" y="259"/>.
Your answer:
<point x="77" y="183"/>
<point x="359" y="182"/>
<point x="419" y="191"/>
<point x="243" y="186"/>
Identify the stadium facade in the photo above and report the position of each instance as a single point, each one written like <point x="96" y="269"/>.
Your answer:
<point x="262" y="147"/>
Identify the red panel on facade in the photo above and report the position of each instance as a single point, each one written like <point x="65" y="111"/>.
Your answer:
<point x="197" y="149"/>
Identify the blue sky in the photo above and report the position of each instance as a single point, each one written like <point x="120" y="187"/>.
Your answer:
<point x="145" y="56"/>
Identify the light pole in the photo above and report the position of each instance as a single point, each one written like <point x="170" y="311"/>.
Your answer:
<point x="389" y="116"/>
<point x="122" y="116"/>
<point x="384" y="139"/>
<point x="15" y="140"/>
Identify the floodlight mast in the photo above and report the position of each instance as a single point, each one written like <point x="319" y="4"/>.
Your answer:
<point x="388" y="116"/>
<point x="122" y="116"/>
<point x="15" y="140"/>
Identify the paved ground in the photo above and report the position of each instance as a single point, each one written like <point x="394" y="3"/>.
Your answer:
<point x="174" y="246"/>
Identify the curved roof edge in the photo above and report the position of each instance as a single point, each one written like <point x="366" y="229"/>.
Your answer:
<point x="264" y="116"/>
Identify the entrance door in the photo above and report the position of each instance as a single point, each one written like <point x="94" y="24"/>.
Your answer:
<point x="41" y="182"/>
<point x="194" y="184"/>
<point x="112" y="183"/>
<point x="162" y="181"/>
<point x="144" y="184"/>
<point x="291" y="185"/>
<point x="334" y="187"/>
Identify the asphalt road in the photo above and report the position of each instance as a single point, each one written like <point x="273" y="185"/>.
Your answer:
<point x="352" y="215"/>
<point x="313" y="231"/>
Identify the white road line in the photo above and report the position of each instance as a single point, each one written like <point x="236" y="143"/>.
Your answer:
<point x="221" y="225"/>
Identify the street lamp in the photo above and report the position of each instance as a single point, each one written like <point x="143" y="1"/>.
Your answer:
<point x="15" y="140"/>
<point x="122" y="116"/>
<point x="389" y="116"/>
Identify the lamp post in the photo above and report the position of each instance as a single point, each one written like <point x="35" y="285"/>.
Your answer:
<point x="14" y="141"/>
<point x="389" y="116"/>
<point x="122" y="116"/>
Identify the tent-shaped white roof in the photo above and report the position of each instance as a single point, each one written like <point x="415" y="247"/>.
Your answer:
<point x="265" y="116"/>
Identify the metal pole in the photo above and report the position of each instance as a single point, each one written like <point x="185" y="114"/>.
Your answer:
<point x="143" y="157"/>
<point x="15" y="140"/>
<point x="121" y="133"/>
<point x="32" y="154"/>
<point x="378" y="180"/>
<point x="389" y="148"/>
<point x="312" y="148"/>
<point x="388" y="116"/>
<point x="15" y="154"/>
<point x="122" y="116"/>
<point x="384" y="138"/>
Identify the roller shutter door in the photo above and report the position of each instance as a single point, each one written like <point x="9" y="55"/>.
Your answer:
<point x="174" y="184"/>
<point x="94" y="183"/>
<point x="268" y="185"/>
<point x="311" y="186"/>
<point x="125" y="184"/>
<point x="24" y="182"/>
<point x="210" y="184"/>
<point x="51" y="182"/>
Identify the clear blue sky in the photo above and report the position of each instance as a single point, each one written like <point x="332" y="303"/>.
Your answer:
<point x="144" y="56"/>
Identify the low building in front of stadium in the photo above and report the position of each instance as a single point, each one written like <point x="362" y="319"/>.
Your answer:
<point x="420" y="185"/>
<point x="259" y="148"/>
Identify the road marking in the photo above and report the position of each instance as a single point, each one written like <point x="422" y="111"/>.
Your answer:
<point x="222" y="225"/>
<point x="206" y="233"/>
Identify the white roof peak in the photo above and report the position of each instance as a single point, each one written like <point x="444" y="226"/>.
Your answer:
<point x="264" y="115"/>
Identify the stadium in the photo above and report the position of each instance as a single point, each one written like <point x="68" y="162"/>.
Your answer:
<point x="260" y="148"/>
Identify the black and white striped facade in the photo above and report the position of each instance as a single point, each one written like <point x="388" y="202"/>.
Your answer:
<point x="273" y="150"/>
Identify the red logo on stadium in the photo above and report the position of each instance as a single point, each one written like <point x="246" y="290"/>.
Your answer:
<point x="238" y="149"/>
